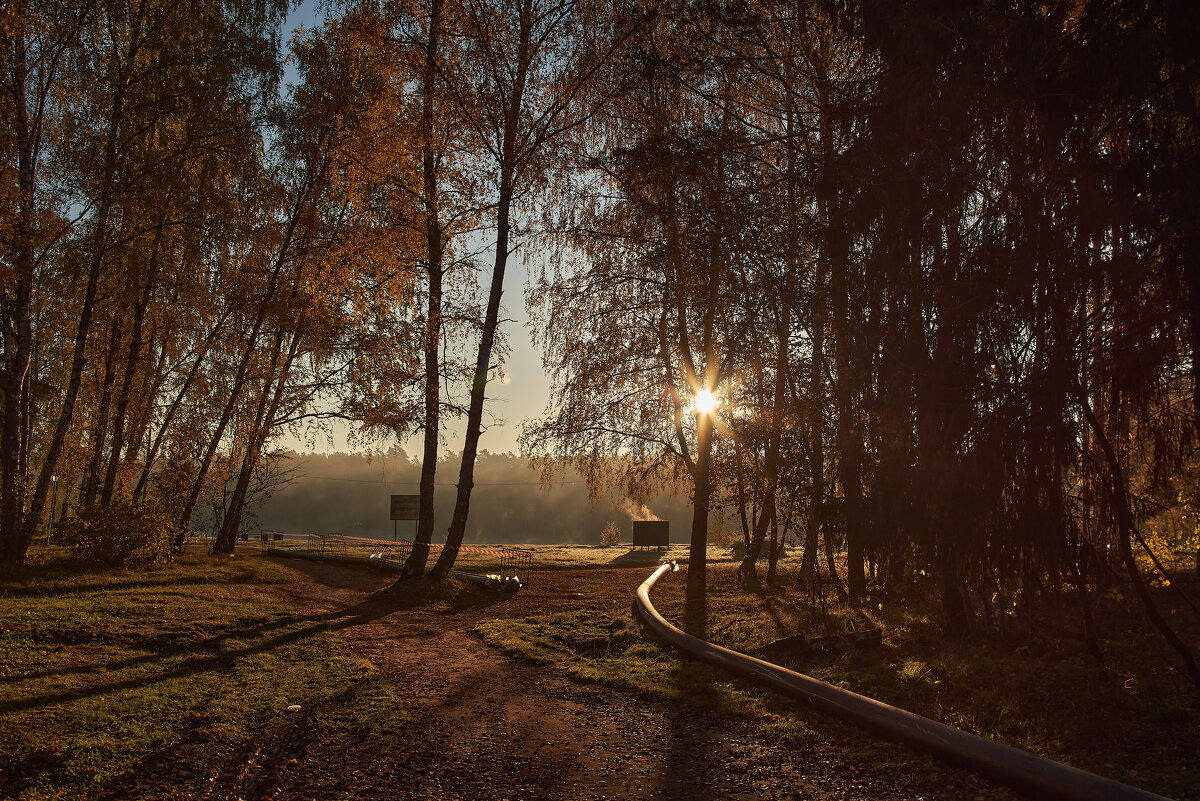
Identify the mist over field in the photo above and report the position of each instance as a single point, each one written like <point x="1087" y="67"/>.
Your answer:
<point x="350" y="494"/>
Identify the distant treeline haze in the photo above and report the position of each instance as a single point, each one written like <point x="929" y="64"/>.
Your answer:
<point x="349" y="494"/>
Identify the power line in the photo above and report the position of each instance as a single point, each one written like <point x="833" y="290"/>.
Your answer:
<point x="477" y="483"/>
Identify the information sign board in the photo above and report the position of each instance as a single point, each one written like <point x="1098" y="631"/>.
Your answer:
<point x="406" y="507"/>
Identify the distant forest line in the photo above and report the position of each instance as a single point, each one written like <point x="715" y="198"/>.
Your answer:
<point x="349" y="494"/>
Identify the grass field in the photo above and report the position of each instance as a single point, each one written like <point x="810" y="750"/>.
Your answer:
<point x="545" y="557"/>
<point x="176" y="681"/>
<point x="173" y="682"/>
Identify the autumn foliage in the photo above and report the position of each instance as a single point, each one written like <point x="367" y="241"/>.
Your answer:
<point x="935" y="264"/>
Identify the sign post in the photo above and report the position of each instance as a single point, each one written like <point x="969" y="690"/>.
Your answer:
<point x="405" y="507"/>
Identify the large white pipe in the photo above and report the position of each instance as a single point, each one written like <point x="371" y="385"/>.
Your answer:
<point x="1029" y="773"/>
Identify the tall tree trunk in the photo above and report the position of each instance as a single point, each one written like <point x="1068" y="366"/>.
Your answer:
<point x="59" y="438"/>
<point x="16" y="384"/>
<point x="778" y="543"/>
<point x="28" y="417"/>
<point x="172" y="410"/>
<point x="466" y="471"/>
<point x="783" y="334"/>
<point x="771" y="462"/>
<point x="415" y="566"/>
<point x="99" y="249"/>
<point x="1191" y="275"/>
<point x="304" y="197"/>
<point x="701" y="497"/>
<point x="744" y="513"/>
<point x="816" y="444"/>
<point x="235" y="394"/>
<point x="831" y="551"/>
<point x="846" y="389"/>
<point x="850" y="473"/>
<point x="239" y="380"/>
<point x="268" y="409"/>
<point x="147" y="394"/>
<point x="508" y="165"/>
<point x="707" y="380"/>
<point x="91" y="484"/>
<point x="124" y="67"/>
<point x="833" y="262"/>
<point x="134" y="355"/>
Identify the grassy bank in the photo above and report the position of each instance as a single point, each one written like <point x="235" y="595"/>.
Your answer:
<point x="1033" y="686"/>
<point x="186" y="680"/>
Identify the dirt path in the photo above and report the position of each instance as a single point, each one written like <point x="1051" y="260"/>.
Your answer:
<point x="491" y="727"/>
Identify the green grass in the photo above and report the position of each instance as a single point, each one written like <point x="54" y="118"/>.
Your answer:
<point x="177" y="680"/>
<point x="576" y="557"/>
<point x="611" y="649"/>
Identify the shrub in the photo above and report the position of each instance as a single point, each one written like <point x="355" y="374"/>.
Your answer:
<point x="611" y="534"/>
<point x="720" y="532"/>
<point x="122" y="534"/>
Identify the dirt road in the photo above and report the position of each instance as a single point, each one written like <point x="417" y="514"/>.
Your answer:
<point x="491" y="727"/>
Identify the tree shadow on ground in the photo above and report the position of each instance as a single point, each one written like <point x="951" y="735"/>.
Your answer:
<point x="690" y="763"/>
<point x="449" y="596"/>
<point x="242" y="576"/>
<point x="190" y="667"/>
<point x="165" y="646"/>
<point x="213" y="653"/>
<point x="636" y="558"/>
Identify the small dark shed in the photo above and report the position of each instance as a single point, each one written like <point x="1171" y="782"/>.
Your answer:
<point x="651" y="534"/>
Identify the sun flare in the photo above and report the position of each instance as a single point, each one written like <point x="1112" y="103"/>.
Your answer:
<point x="705" y="401"/>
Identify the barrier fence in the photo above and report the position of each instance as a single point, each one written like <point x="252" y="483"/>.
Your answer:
<point x="500" y="560"/>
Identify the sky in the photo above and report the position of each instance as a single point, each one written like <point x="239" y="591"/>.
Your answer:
<point x="509" y="404"/>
